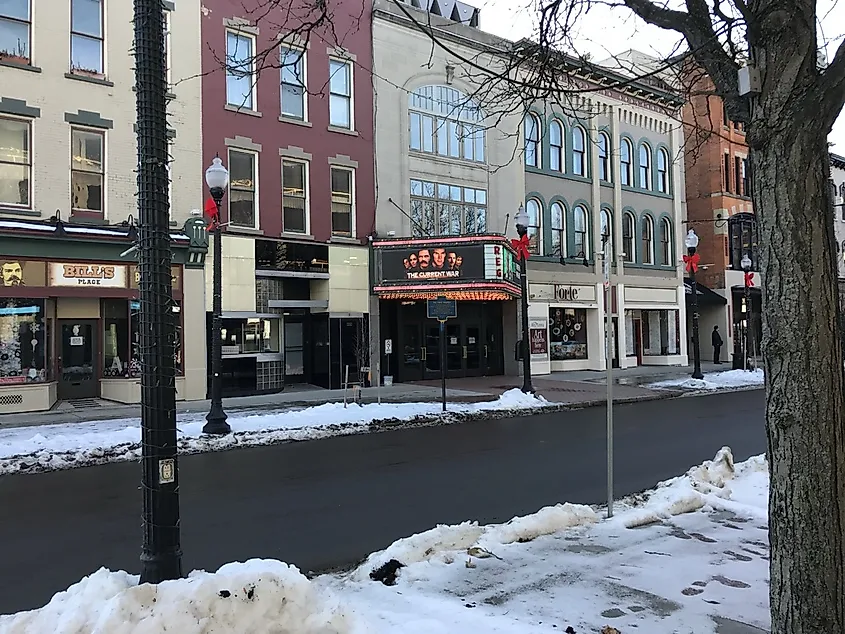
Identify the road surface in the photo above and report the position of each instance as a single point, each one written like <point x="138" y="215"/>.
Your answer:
<point x="327" y="503"/>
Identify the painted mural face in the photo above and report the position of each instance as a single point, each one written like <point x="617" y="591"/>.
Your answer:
<point x="12" y="273"/>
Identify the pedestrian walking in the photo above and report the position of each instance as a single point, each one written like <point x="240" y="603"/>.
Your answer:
<point x="717" y="345"/>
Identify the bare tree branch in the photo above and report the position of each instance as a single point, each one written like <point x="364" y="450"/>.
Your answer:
<point x="833" y="86"/>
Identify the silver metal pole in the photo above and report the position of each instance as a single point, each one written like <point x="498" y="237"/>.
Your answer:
<point x="608" y="327"/>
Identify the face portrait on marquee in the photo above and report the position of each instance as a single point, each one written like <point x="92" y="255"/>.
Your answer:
<point x="424" y="258"/>
<point x="12" y="273"/>
<point x="439" y="257"/>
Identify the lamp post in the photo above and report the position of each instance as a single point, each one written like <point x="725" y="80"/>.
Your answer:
<point x="217" y="178"/>
<point x="521" y="220"/>
<point x="746" y="263"/>
<point x="691" y="242"/>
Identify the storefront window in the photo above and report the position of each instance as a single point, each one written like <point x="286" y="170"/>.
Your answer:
<point x="22" y="341"/>
<point x="116" y="360"/>
<point x="134" y="369"/>
<point x="568" y="333"/>
<point x="660" y="332"/>
<point x="261" y="335"/>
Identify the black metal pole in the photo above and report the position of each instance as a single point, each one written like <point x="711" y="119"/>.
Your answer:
<point x="216" y="418"/>
<point x="161" y="553"/>
<point x="527" y="387"/>
<point x="747" y="325"/>
<point x="696" y="349"/>
<point x="443" y="362"/>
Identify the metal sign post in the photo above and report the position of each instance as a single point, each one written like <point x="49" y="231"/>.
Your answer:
<point x="442" y="310"/>
<point x="608" y="342"/>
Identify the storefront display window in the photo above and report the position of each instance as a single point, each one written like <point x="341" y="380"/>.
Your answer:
<point x="116" y="359"/>
<point x="22" y="341"/>
<point x="250" y="336"/>
<point x="132" y="368"/>
<point x="568" y="333"/>
<point x="660" y="332"/>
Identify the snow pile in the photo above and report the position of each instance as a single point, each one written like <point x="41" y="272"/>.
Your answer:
<point x="731" y="379"/>
<point x="69" y="445"/>
<point x="255" y="596"/>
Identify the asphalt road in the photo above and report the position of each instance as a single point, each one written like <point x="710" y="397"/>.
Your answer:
<point x="327" y="503"/>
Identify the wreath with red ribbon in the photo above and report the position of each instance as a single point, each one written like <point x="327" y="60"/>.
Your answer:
<point x="749" y="279"/>
<point x="520" y="245"/>
<point x="691" y="262"/>
<point x="212" y="213"/>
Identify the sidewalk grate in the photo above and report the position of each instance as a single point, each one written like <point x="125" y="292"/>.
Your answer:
<point x="84" y="403"/>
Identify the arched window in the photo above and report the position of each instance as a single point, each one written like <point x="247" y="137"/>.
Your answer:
<point x="648" y="240"/>
<point x="604" y="157"/>
<point x="665" y="242"/>
<point x="645" y="166"/>
<point x="606" y="220"/>
<point x="556" y="160"/>
<point x="843" y="250"/>
<point x="445" y="121"/>
<point x="558" y="214"/>
<point x="535" y="214"/>
<point x="842" y="190"/>
<point x="628" y="245"/>
<point x="626" y="174"/>
<point x="580" y="232"/>
<point x="532" y="140"/>
<point x="579" y="151"/>
<point x="663" y="171"/>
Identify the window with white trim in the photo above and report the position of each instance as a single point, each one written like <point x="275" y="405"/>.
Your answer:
<point x="443" y="209"/>
<point x="665" y="242"/>
<point x="15" y="31"/>
<point x="15" y="162"/>
<point x="293" y="84"/>
<point x="243" y="188"/>
<point x="340" y="94"/>
<point x="556" y="147"/>
<point x="648" y="240"/>
<point x="240" y="70"/>
<point x="445" y="121"/>
<point x="629" y="224"/>
<point x="343" y="202"/>
<point x="663" y="171"/>
<point x="604" y="157"/>
<point x="531" y="126"/>
<point x="606" y="220"/>
<point x="579" y="151"/>
<point x="86" y="37"/>
<point x="295" y="211"/>
<point x="87" y="170"/>
<point x="626" y="174"/>
<point x="558" y="229"/>
<point x="581" y="232"/>
<point x="645" y="166"/>
<point x="535" y="217"/>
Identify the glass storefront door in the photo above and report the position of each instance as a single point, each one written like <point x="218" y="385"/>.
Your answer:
<point x="77" y="362"/>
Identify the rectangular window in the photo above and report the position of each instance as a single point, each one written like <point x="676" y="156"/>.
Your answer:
<point x="746" y="177"/>
<point x="15" y="30"/>
<point x="343" y="196"/>
<point x="340" y="94"/>
<point x="293" y="83"/>
<point x="15" y="162"/>
<point x="87" y="165"/>
<point x="240" y="70"/>
<point x="168" y="51"/>
<point x="243" y="187"/>
<point x="727" y="171"/>
<point x="261" y="335"/>
<point x="441" y="209"/>
<point x="567" y="333"/>
<point x="86" y="37"/>
<point x="725" y="119"/>
<point x="416" y="131"/>
<point x="738" y="176"/>
<point x="116" y="359"/>
<point x="134" y="364"/>
<point x="22" y="332"/>
<point x="294" y="197"/>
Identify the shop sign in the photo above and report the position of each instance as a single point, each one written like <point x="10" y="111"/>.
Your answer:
<point x="566" y="293"/>
<point x="76" y="274"/>
<point x="538" y="337"/>
<point x="175" y="277"/>
<point x="16" y="272"/>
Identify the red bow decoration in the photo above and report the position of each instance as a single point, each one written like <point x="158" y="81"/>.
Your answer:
<point x="691" y="262"/>
<point x="520" y="245"/>
<point x="212" y="213"/>
<point x="749" y="279"/>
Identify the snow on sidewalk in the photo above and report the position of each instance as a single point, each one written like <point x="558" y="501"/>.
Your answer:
<point x="51" y="447"/>
<point x="730" y="379"/>
<point x="689" y="556"/>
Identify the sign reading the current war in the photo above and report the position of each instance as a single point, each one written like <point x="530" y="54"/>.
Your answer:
<point x="433" y="263"/>
<point x="76" y="274"/>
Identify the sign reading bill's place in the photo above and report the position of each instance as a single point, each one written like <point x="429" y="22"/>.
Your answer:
<point x="107" y="275"/>
<point x="456" y="263"/>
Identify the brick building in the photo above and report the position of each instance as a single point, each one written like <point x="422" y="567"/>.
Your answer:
<point x="68" y="292"/>
<point x="289" y="111"/>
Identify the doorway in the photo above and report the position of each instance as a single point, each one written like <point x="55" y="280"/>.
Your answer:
<point x="77" y="359"/>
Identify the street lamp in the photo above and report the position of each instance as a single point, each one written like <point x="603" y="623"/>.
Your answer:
<point x="746" y="263"/>
<point x="691" y="242"/>
<point x="217" y="178"/>
<point x="521" y="220"/>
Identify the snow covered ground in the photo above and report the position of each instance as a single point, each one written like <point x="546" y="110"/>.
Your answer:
<point x="51" y="447"/>
<point x="689" y="557"/>
<point x="730" y="379"/>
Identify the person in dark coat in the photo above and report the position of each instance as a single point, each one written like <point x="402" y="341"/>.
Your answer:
<point x="717" y="345"/>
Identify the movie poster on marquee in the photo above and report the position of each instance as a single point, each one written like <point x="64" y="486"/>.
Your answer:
<point x="433" y="263"/>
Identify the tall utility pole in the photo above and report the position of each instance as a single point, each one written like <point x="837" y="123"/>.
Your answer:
<point x="608" y="356"/>
<point x="161" y="554"/>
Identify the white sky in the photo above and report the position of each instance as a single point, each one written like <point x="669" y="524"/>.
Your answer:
<point x="604" y="32"/>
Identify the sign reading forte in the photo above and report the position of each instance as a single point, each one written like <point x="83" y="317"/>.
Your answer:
<point x="103" y="275"/>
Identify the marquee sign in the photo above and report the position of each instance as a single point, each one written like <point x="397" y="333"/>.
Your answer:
<point x="75" y="274"/>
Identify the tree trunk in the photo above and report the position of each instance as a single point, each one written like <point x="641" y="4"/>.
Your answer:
<point x="804" y="379"/>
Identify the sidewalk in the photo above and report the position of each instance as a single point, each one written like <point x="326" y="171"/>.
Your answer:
<point x="574" y="388"/>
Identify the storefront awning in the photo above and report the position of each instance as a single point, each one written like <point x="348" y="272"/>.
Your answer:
<point x="706" y="296"/>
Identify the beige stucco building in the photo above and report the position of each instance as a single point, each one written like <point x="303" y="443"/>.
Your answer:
<point x="69" y="301"/>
